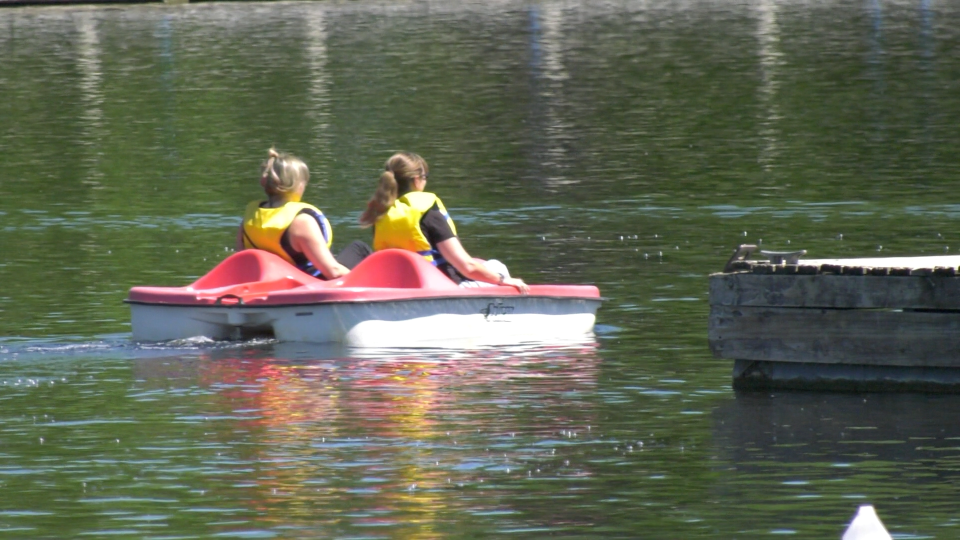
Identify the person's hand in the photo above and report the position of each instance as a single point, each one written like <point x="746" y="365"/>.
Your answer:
<point x="518" y="283"/>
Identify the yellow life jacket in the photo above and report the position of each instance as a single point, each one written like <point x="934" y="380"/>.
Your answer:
<point x="399" y="227"/>
<point x="264" y="228"/>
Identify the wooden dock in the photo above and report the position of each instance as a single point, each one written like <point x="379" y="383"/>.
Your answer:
<point x="839" y="324"/>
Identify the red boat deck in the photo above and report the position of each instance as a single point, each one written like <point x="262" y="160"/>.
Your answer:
<point x="261" y="278"/>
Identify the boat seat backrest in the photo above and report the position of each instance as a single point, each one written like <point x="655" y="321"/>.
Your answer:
<point x="248" y="266"/>
<point x="397" y="269"/>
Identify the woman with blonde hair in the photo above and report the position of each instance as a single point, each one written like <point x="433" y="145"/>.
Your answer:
<point x="404" y="216"/>
<point x="296" y="231"/>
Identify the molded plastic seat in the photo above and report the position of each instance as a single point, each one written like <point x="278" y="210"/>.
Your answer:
<point x="397" y="269"/>
<point x="251" y="265"/>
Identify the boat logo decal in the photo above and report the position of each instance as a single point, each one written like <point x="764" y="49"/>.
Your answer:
<point x="496" y="309"/>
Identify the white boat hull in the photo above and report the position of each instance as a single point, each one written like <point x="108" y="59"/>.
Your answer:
<point x="403" y="323"/>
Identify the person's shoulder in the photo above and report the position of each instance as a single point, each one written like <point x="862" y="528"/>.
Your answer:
<point x="305" y="219"/>
<point x="435" y="214"/>
<point x="435" y="220"/>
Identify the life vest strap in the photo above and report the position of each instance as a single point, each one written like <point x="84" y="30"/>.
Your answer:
<point x="247" y="237"/>
<point x="433" y="256"/>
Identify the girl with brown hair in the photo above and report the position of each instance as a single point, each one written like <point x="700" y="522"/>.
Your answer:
<point x="404" y="216"/>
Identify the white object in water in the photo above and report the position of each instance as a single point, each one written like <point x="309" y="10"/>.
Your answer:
<point x="866" y="525"/>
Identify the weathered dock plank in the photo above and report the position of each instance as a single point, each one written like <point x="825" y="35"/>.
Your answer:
<point x="831" y="336"/>
<point x="890" y="262"/>
<point x="835" y="291"/>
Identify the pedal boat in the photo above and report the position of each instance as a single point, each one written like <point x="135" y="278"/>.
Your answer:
<point x="394" y="298"/>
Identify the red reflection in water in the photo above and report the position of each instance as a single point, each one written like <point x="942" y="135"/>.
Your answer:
<point x="395" y="394"/>
<point x="383" y="435"/>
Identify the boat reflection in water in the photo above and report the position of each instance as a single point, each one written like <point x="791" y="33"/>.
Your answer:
<point x="382" y="436"/>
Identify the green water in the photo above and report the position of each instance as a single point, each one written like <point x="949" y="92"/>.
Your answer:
<point x="631" y="145"/>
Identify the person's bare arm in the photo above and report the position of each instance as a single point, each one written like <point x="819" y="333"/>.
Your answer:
<point x="452" y="250"/>
<point x="305" y="236"/>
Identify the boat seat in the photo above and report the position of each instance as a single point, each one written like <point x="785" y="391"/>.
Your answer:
<point x="397" y="269"/>
<point x="252" y="265"/>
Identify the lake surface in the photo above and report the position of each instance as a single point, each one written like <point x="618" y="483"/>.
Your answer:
<point x="628" y="144"/>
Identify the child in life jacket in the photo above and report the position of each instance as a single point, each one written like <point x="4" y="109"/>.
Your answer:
<point x="294" y="230"/>
<point x="404" y="216"/>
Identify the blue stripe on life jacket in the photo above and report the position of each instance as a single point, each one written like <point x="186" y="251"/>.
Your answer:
<point x="437" y="258"/>
<point x="312" y="270"/>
